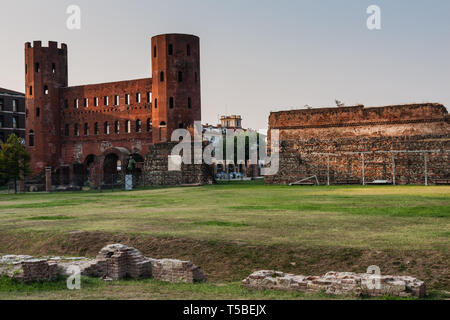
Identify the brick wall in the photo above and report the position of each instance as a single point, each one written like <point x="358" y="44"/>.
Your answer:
<point x="314" y="140"/>
<point x="157" y="172"/>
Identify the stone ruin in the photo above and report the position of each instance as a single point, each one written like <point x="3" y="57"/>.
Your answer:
<point x="27" y="268"/>
<point x="338" y="283"/>
<point x="113" y="262"/>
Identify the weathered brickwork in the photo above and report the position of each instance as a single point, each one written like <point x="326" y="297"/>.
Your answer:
<point x="357" y="144"/>
<point x="337" y="283"/>
<point x="113" y="262"/>
<point x="82" y="132"/>
<point x="28" y="269"/>
<point x="157" y="170"/>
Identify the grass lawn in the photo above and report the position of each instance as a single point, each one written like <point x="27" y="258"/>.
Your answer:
<point x="231" y="230"/>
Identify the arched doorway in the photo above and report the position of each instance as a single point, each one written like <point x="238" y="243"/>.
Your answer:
<point x="78" y="174"/>
<point x="110" y="173"/>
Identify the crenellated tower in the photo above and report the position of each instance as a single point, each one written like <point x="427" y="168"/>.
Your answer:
<point x="176" y="84"/>
<point x="45" y="73"/>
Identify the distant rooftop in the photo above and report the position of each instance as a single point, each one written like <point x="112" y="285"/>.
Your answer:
<point x="7" y="91"/>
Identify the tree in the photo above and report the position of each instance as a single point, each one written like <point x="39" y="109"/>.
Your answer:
<point x="14" y="160"/>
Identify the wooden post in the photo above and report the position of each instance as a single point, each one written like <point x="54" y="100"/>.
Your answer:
<point x="393" y="168"/>
<point x="48" y="179"/>
<point x="328" y="170"/>
<point x="425" y="156"/>
<point x="363" y="173"/>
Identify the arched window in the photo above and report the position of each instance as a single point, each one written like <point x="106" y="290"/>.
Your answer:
<point x="149" y="124"/>
<point x="127" y="126"/>
<point x="189" y="103"/>
<point x="171" y="103"/>
<point x="138" y="125"/>
<point x="96" y="131"/>
<point x="188" y="50"/>
<point x="154" y="51"/>
<point x="67" y="130"/>
<point x="161" y="76"/>
<point x="86" y="129"/>
<point x="116" y="127"/>
<point x="162" y="124"/>
<point x="46" y="90"/>
<point x="76" y="130"/>
<point x="180" y="76"/>
<point x="106" y="127"/>
<point x="31" y="138"/>
<point x="170" y="49"/>
<point x="156" y="103"/>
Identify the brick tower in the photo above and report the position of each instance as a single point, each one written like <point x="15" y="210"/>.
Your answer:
<point x="176" y="84"/>
<point x="45" y="73"/>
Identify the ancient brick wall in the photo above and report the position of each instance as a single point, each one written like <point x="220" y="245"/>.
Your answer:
<point x="77" y="128"/>
<point x="354" y="144"/>
<point x="157" y="172"/>
<point x="134" y="137"/>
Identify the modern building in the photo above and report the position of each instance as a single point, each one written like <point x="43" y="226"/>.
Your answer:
<point x="226" y="168"/>
<point x="12" y="114"/>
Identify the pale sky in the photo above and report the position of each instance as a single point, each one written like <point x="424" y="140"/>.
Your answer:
<point x="257" y="56"/>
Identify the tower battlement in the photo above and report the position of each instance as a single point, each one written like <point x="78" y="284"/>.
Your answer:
<point x="51" y="45"/>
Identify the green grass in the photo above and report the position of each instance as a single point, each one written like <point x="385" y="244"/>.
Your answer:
<point x="8" y="285"/>
<point x="343" y="216"/>
<point x="232" y="229"/>
<point x="151" y="289"/>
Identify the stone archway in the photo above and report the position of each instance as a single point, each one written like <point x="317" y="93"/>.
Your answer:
<point x="110" y="172"/>
<point x="78" y="174"/>
<point x="112" y="163"/>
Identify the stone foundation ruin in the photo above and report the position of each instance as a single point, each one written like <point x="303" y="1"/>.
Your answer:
<point x="338" y="283"/>
<point x="115" y="261"/>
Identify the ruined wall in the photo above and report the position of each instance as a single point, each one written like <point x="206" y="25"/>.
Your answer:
<point x="326" y="142"/>
<point x="157" y="172"/>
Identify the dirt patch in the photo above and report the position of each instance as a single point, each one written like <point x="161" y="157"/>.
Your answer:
<point x="227" y="261"/>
